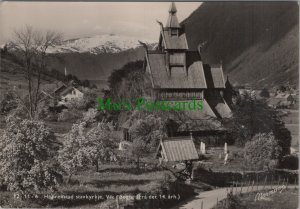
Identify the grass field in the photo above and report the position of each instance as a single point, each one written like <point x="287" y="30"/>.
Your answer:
<point x="272" y="199"/>
<point x="214" y="162"/>
<point x="288" y="199"/>
<point x="110" y="180"/>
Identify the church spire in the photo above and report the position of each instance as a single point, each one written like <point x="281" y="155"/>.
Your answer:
<point x="172" y="8"/>
<point x="172" y="20"/>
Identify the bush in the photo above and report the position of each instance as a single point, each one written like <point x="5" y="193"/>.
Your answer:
<point x="265" y="93"/>
<point x="290" y="162"/>
<point x="8" y="102"/>
<point x="263" y="151"/>
<point x="231" y="202"/>
<point x="70" y="115"/>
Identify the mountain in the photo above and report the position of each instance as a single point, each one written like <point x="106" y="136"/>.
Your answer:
<point x="94" y="58"/>
<point x="257" y="42"/>
<point x="93" y="66"/>
<point x="99" y="44"/>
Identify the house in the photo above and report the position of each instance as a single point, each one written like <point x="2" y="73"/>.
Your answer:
<point x="64" y="92"/>
<point x="174" y="72"/>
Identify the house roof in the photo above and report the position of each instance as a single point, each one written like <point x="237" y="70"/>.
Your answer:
<point x="178" y="149"/>
<point x="179" y="77"/>
<point x="214" y="76"/>
<point x="174" y="42"/>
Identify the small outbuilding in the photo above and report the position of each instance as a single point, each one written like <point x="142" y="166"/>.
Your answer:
<point x="177" y="149"/>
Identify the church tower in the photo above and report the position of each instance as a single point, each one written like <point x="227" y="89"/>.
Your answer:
<point x="173" y="43"/>
<point x="172" y="23"/>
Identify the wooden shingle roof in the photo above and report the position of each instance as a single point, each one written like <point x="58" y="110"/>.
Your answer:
<point x="178" y="149"/>
<point x="178" y="78"/>
<point x="214" y="76"/>
<point x="174" y="42"/>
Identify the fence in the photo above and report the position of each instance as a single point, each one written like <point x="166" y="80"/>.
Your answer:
<point x="222" y="179"/>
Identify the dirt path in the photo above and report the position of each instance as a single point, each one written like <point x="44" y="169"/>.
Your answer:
<point x="209" y="198"/>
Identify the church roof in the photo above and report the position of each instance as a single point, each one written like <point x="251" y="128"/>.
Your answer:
<point x="179" y="77"/>
<point x="218" y="104"/>
<point x="174" y="42"/>
<point x="214" y="76"/>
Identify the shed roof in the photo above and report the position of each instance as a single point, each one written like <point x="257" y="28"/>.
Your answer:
<point x="179" y="77"/>
<point x="178" y="149"/>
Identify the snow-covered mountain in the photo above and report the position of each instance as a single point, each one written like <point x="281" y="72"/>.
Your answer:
<point x="99" y="44"/>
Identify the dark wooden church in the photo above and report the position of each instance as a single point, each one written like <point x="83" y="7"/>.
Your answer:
<point x="177" y="73"/>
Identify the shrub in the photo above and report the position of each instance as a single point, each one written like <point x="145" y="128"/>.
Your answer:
<point x="263" y="151"/>
<point x="231" y="202"/>
<point x="70" y="115"/>
<point x="8" y="102"/>
<point x="290" y="162"/>
<point x="264" y="93"/>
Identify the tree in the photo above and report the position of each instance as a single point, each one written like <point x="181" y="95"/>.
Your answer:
<point x="89" y="98"/>
<point x="251" y="117"/>
<point x="82" y="148"/>
<point x="71" y="156"/>
<point x="32" y="46"/>
<point x="145" y="131"/>
<point x="263" y="151"/>
<point x="27" y="156"/>
<point x="99" y="146"/>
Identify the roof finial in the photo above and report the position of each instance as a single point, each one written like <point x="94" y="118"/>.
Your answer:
<point x="172" y="8"/>
<point x="144" y="45"/>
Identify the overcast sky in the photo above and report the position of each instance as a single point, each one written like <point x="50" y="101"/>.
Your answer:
<point x="79" y="19"/>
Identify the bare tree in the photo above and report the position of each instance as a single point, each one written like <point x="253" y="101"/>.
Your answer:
<point x="32" y="46"/>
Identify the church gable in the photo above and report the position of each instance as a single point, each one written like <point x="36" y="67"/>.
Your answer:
<point x="176" y="77"/>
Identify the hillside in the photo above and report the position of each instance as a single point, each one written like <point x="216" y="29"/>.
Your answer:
<point x="95" y="66"/>
<point x="12" y="76"/>
<point x="256" y="41"/>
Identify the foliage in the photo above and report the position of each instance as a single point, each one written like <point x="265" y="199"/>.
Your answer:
<point x="290" y="162"/>
<point x="264" y="93"/>
<point x="27" y="157"/>
<point x="89" y="98"/>
<point x="126" y="83"/>
<point x="146" y="131"/>
<point x="251" y="117"/>
<point x="69" y="115"/>
<point x="99" y="145"/>
<point x="90" y="116"/>
<point x="8" y="102"/>
<point x="263" y="151"/>
<point x="231" y="202"/>
<point x="83" y="148"/>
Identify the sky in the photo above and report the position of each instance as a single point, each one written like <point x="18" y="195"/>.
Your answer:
<point x="82" y="19"/>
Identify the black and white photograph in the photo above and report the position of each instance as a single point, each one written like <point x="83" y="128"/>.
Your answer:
<point x="149" y="105"/>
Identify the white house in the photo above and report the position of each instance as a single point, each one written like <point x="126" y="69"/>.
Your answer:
<point x="68" y="93"/>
